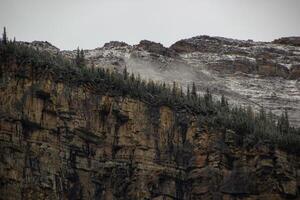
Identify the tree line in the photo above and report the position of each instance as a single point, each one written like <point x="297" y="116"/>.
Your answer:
<point x="213" y="112"/>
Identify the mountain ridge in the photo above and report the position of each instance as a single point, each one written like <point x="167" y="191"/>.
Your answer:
<point x="261" y="74"/>
<point x="70" y="132"/>
<point x="214" y="45"/>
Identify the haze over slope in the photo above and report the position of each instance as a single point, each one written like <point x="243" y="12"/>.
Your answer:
<point x="261" y="74"/>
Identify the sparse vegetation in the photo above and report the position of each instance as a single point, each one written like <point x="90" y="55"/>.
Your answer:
<point x="218" y="114"/>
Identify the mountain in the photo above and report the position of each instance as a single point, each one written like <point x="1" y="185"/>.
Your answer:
<point x="261" y="74"/>
<point x="89" y="133"/>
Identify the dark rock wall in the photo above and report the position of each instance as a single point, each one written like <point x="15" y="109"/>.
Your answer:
<point x="62" y="142"/>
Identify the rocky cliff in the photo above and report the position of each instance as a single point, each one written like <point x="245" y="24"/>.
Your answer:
<point x="63" y="141"/>
<point x="261" y="74"/>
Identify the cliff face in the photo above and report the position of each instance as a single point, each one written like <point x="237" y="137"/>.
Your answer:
<point x="67" y="142"/>
<point x="260" y="74"/>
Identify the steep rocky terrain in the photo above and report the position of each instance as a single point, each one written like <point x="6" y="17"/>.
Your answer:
<point x="63" y="141"/>
<point x="261" y="74"/>
<point x="61" y="137"/>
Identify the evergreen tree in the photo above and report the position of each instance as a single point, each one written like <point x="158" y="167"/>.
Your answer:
<point x="270" y="117"/>
<point x="174" y="89"/>
<point x="132" y="77"/>
<point x="82" y="58"/>
<point x="4" y="36"/>
<point x="194" y="92"/>
<point x="283" y="123"/>
<point x="139" y="79"/>
<point x="164" y="86"/>
<point x="250" y="119"/>
<point x="79" y="59"/>
<point x="93" y="66"/>
<point x="188" y="92"/>
<point x="125" y="73"/>
<point x="224" y="102"/>
<point x="286" y="117"/>
<point x="262" y="115"/>
<point x="208" y="98"/>
<point x="181" y="92"/>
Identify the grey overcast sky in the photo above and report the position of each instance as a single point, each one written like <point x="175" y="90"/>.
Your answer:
<point x="90" y="23"/>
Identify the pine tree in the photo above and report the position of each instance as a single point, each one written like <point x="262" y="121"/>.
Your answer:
<point x="125" y="73"/>
<point x="224" y="102"/>
<point x="139" y="79"/>
<point x="132" y="78"/>
<point x="262" y="115"/>
<point x="270" y="117"/>
<point x="188" y="92"/>
<point x="194" y="92"/>
<point x="174" y="89"/>
<point x="77" y="59"/>
<point x="208" y="98"/>
<point x="250" y="119"/>
<point x="93" y="66"/>
<point x="4" y="36"/>
<point x="250" y="112"/>
<point x="82" y="58"/>
<point x="283" y="123"/>
<point x="181" y="92"/>
<point x="286" y="117"/>
<point x="164" y="86"/>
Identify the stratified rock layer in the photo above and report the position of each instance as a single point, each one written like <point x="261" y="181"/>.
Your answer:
<point x="66" y="142"/>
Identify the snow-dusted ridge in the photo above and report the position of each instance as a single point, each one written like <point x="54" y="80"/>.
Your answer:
<point x="257" y="73"/>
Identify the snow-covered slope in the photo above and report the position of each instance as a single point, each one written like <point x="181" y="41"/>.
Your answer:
<point x="247" y="72"/>
<point x="255" y="73"/>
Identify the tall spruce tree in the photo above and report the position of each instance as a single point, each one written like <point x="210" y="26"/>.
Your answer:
<point x="188" y="92"/>
<point x="262" y="115"/>
<point x="79" y="59"/>
<point x="125" y="73"/>
<point x="283" y="123"/>
<point x="82" y="58"/>
<point x="174" y="89"/>
<point x="208" y="98"/>
<point x="224" y="102"/>
<point x="4" y="36"/>
<point x="194" y="91"/>
<point x="181" y="92"/>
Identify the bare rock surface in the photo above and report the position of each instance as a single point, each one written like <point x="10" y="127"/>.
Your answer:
<point x="261" y="74"/>
<point x="66" y="142"/>
<point x="294" y="41"/>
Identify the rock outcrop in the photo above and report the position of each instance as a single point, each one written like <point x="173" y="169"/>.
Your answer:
<point x="261" y="74"/>
<point x="156" y="48"/>
<point x="293" y="41"/>
<point x="60" y="141"/>
<point x="230" y="56"/>
<point x="43" y="46"/>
